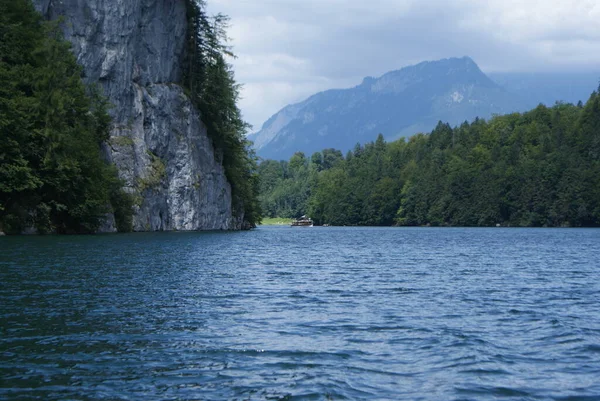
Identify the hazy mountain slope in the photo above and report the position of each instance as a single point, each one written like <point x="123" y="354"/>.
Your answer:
<point x="396" y="104"/>
<point x="548" y="88"/>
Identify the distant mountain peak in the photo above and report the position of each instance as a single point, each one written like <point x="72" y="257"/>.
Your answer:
<point x="398" y="103"/>
<point x="465" y="63"/>
<point x="448" y="64"/>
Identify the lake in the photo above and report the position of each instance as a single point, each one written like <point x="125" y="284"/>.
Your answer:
<point x="283" y="313"/>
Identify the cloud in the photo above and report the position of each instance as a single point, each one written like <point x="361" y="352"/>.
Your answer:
<point x="289" y="49"/>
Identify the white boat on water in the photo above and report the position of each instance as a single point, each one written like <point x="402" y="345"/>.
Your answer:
<point x="303" y="222"/>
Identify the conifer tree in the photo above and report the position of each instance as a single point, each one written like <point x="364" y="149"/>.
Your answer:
<point x="213" y="89"/>
<point x="52" y="176"/>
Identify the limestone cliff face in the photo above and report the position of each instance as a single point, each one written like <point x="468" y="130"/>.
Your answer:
<point x="134" y="50"/>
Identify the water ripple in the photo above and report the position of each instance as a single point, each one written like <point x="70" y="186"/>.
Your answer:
<point x="315" y="314"/>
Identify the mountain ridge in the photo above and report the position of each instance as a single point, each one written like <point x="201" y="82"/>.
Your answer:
<point x="398" y="103"/>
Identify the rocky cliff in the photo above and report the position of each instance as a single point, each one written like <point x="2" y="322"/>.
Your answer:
<point x="134" y="49"/>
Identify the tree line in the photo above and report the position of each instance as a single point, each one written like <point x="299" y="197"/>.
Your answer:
<point x="536" y="169"/>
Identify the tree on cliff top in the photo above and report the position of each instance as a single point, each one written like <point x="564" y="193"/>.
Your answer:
<point x="211" y="83"/>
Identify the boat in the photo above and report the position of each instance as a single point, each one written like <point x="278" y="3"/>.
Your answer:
<point x="302" y="222"/>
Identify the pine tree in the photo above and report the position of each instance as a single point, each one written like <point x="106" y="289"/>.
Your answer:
<point x="211" y="84"/>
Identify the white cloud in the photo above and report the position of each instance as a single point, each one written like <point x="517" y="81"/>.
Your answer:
<point x="518" y="20"/>
<point x="289" y="49"/>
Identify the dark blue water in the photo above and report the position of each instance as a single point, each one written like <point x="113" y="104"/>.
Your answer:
<point x="303" y="314"/>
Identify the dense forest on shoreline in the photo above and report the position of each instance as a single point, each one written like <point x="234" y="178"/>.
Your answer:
<point x="540" y="168"/>
<point x="53" y="176"/>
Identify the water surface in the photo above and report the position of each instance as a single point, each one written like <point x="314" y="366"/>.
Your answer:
<point x="302" y="314"/>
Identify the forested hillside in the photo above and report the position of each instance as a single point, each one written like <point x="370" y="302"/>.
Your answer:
<point x="52" y="175"/>
<point x="540" y="168"/>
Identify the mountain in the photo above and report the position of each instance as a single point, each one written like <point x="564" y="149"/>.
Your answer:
<point x="397" y="104"/>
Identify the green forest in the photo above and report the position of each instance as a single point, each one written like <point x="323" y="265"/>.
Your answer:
<point x="53" y="177"/>
<point x="536" y="169"/>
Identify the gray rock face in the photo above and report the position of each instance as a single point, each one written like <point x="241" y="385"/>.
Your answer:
<point x="134" y="50"/>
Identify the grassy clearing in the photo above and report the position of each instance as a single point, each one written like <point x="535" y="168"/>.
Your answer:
<point x="275" y="221"/>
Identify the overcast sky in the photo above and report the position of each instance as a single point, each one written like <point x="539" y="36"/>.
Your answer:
<point x="290" y="49"/>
